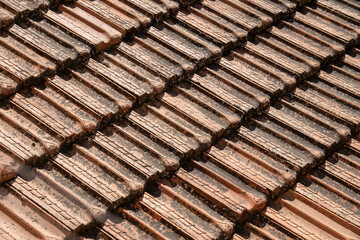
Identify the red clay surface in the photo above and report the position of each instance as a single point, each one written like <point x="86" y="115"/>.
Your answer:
<point x="179" y="120"/>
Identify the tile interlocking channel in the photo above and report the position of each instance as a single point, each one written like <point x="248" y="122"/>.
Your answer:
<point x="168" y="123"/>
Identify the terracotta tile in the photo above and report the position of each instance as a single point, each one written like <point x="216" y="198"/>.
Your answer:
<point x="231" y="89"/>
<point x="67" y="40"/>
<point x="168" y="36"/>
<point x="318" y="134"/>
<point x="22" y="63"/>
<point x="108" y="162"/>
<point x="30" y="127"/>
<point x="344" y="8"/>
<point x="23" y="146"/>
<point x="188" y="102"/>
<point x="186" y="215"/>
<point x="334" y="105"/>
<point x="112" y="190"/>
<point x="213" y="32"/>
<point x="320" y="51"/>
<point x="23" y="6"/>
<point x="263" y="228"/>
<point x="61" y="54"/>
<point x="302" y="216"/>
<point x="20" y="217"/>
<point x="81" y="23"/>
<point x="318" y="191"/>
<point x="181" y="140"/>
<point x="64" y="118"/>
<point x="194" y="37"/>
<point x="151" y="8"/>
<point x="281" y="57"/>
<point x="44" y="204"/>
<point x="341" y="169"/>
<point x="166" y="157"/>
<point x="111" y="13"/>
<point x="144" y="162"/>
<point x="53" y="193"/>
<point x="277" y="10"/>
<point x="97" y="102"/>
<point x="121" y="158"/>
<point x="20" y="9"/>
<point x="295" y="155"/>
<point x="220" y="190"/>
<point x="260" y="170"/>
<point x="102" y="87"/>
<point x="327" y="197"/>
<point x="135" y="225"/>
<point x="327" y="26"/>
<point x="149" y="56"/>
<point x="111" y="68"/>
<point x="241" y="16"/>
<point x="8" y="85"/>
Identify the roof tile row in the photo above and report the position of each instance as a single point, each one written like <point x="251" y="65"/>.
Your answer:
<point x="186" y="120"/>
<point x="17" y="10"/>
<point x="119" y="16"/>
<point x="43" y="204"/>
<point x="74" y="32"/>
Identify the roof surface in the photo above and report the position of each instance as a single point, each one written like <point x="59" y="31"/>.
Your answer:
<point x="161" y="119"/>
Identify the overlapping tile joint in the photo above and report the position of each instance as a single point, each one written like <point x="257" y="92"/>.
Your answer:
<point x="213" y="119"/>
